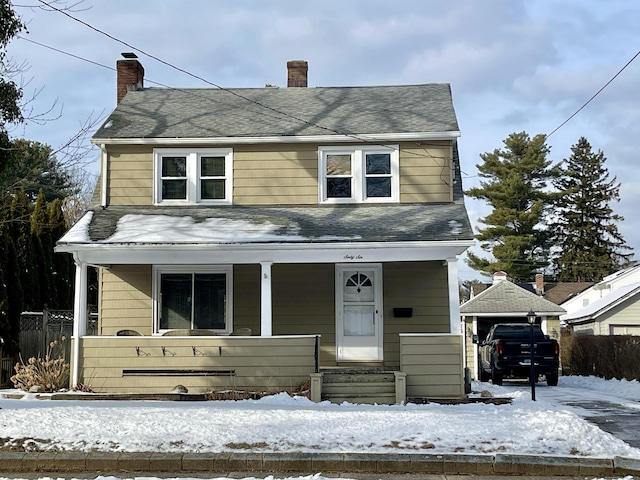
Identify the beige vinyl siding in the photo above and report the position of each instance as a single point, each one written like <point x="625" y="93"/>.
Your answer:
<point x="304" y="304"/>
<point x="280" y="174"/>
<point x="264" y="364"/>
<point x="622" y="318"/>
<point x="421" y="286"/>
<point x="125" y="299"/>
<point x="275" y="174"/>
<point x="426" y="173"/>
<point x="130" y="176"/>
<point x="433" y="364"/>
<point x="246" y="301"/>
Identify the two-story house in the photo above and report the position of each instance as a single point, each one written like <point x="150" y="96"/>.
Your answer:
<point x="254" y="238"/>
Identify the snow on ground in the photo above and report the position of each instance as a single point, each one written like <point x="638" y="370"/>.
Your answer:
<point x="280" y="423"/>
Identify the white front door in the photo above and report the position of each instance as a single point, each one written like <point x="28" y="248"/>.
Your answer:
<point x="359" y="313"/>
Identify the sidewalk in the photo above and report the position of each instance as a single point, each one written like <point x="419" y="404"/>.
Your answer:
<point x="307" y="463"/>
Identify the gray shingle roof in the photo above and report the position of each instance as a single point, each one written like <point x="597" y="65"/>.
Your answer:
<point x="258" y="112"/>
<point x="295" y="224"/>
<point x="507" y="297"/>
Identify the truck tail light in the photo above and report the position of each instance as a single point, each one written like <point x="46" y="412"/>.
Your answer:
<point x="556" y="349"/>
<point x="499" y="348"/>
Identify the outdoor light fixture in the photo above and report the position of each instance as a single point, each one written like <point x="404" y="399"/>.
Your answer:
<point x="531" y="316"/>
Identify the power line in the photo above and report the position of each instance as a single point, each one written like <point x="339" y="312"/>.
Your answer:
<point x="594" y="95"/>
<point x="232" y="92"/>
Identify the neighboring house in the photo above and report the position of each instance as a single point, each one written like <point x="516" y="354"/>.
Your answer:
<point x="607" y="285"/>
<point x="610" y="307"/>
<point x="253" y="238"/>
<point x="504" y="302"/>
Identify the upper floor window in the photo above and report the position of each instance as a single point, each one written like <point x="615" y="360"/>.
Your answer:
<point x="193" y="176"/>
<point x="359" y="174"/>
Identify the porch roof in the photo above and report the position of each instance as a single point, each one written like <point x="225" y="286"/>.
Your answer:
<point x="260" y="225"/>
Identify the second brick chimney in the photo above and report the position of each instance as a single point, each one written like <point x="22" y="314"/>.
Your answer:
<point x="540" y="284"/>
<point x="297" y="73"/>
<point x="130" y="75"/>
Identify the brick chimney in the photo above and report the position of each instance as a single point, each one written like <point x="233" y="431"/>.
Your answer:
<point x="130" y="75"/>
<point x="540" y="284"/>
<point x="297" y="73"/>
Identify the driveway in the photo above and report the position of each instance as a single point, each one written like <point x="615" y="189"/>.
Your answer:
<point x="613" y="414"/>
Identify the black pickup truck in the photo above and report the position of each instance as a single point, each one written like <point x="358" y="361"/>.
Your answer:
<point x="506" y="352"/>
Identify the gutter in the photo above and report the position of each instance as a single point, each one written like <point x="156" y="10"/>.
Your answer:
<point x="355" y="138"/>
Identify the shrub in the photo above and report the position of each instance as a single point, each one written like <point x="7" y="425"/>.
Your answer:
<point x="50" y="374"/>
<point x="606" y="356"/>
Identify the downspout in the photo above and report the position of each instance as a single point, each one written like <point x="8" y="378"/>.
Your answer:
<point x="104" y="163"/>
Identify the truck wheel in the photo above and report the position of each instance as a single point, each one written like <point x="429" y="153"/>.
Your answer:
<point x="484" y="376"/>
<point x="552" y="379"/>
<point x="496" y="377"/>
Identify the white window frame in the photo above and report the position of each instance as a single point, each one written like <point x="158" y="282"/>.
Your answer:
<point x="158" y="270"/>
<point x="193" y="175"/>
<point x="358" y="173"/>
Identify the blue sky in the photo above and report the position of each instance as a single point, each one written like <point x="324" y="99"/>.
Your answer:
<point x="513" y="65"/>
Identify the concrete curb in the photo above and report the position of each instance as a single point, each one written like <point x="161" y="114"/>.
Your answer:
<point x="452" y="464"/>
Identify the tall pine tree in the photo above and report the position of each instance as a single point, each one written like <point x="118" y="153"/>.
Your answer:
<point x="515" y="187"/>
<point x="584" y="225"/>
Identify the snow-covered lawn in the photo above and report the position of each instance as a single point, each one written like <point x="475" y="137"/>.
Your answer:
<point x="280" y="423"/>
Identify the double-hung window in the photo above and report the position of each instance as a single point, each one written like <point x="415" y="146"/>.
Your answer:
<point x="193" y="176"/>
<point x="193" y="298"/>
<point x="359" y="174"/>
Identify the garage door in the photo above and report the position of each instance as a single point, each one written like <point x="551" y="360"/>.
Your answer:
<point x="624" y="329"/>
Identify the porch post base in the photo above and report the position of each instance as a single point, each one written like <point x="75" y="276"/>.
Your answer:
<point x="401" y="387"/>
<point x="316" y="387"/>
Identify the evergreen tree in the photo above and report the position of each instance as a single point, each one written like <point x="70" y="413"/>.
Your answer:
<point x="33" y="167"/>
<point x="42" y="253"/>
<point x="13" y="305"/>
<point x="515" y="188"/>
<point x="63" y="268"/>
<point x="584" y="227"/>
<point x="21" y="236"/>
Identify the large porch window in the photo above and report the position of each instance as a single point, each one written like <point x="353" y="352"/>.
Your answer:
<point x="193" y="298"/>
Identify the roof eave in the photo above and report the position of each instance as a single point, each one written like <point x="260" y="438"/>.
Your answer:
<point x="356" y="137"/>
<point x="71" y="247"/>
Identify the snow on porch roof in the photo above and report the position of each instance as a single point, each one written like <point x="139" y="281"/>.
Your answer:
<point x="282" y="224"/>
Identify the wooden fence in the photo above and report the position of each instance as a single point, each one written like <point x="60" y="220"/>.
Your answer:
<point x="37" y="331"/>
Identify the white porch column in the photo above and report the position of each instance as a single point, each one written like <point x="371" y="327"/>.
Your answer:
<point x="266" y="320"/>
<point x="454" y="296"/>
<point x="79" y="317"/>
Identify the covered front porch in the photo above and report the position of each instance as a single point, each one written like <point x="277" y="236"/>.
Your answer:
<point x="261" y="310"/>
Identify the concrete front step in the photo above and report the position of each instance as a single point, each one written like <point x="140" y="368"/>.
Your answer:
<point x="358" y="388"/>
<point x="362" y="398"/>
<point x="334" y="377"/>
<point x="364" y="385"/>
